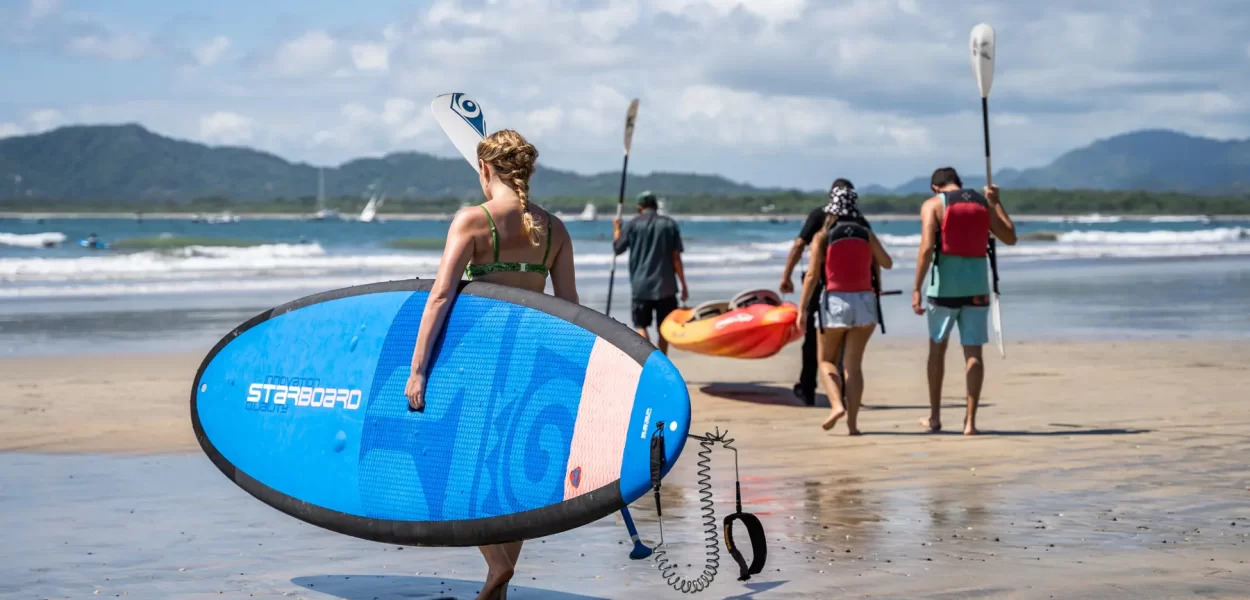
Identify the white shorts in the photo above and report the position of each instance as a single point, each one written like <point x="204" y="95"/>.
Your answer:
<point x="848" y="309"/>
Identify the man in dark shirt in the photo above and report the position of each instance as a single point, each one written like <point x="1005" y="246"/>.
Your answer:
<point x="805" y="389"/>
<point x="654" y="244"/>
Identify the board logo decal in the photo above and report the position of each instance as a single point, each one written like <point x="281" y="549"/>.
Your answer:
<point x="469" y="111"/>
<point x="575" y="477"/>
<point x="276" y="393"/>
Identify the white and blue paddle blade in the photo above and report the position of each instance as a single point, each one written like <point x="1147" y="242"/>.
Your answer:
<point x="983" y="54"/>
<point x="462" y="121"/>
<point x="996" y="318"/>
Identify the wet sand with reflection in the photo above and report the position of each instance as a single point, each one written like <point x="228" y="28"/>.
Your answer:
<point x="1104" y="471"/>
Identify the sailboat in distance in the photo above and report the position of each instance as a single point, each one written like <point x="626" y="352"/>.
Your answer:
<point x="589" y="213"/>
<point x="370" y="213"/>
<point x="323" y="213"/>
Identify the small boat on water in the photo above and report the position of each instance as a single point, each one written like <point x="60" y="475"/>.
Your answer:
<point x="754" y="324"/>
<point x="370" y="212"/>
<point x="323" y="213"/>
<point x="226" y="217"/>
<point x="589" y="213"/>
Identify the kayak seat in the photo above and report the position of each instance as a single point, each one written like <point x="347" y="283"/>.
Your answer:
<point x="750" y="297"/>
<point x="709" y="309"/>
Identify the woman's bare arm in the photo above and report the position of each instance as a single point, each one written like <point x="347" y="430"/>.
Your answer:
<point x="816" y="266"/>
<point x="879" y="256"/>
<point x="457" y="252"/>
<point x="563" y="275"/>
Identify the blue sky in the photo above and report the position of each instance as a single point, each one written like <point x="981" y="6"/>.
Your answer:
<point x="775" y="92"/>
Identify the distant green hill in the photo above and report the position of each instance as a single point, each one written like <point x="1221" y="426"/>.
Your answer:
<point x="122" y="163"/>
<point x="129" y="165"/>
<point x="1151" y="160"/>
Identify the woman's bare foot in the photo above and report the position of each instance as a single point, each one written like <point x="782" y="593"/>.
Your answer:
<point x="496" y="584"/>
<point x="970" y="428"/>
<point x="853" y="432"/>
<point x="833" y="419"/>
<point x="933" y="425"/>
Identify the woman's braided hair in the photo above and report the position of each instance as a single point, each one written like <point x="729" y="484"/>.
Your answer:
<point x="513" y="159"/>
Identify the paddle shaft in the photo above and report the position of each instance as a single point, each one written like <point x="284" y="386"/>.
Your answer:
<point x="640" y="550"/>
<point x="985" y="127"/>
<point x="620" y="210"/>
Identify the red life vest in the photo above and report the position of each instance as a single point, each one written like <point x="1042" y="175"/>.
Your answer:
<point x="965" y="224"/>
<point x="848" y="257"/>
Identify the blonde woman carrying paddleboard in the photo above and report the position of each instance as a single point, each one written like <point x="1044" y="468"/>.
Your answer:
<point x="507" y="240"/>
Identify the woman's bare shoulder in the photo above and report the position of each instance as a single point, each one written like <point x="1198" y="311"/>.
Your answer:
<point x="468" y="218"/>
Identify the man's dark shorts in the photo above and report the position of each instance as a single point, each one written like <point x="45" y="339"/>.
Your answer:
<point x="643" y="310"/>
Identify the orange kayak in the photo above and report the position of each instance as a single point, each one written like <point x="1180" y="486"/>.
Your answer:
<point x="755" y="324"/>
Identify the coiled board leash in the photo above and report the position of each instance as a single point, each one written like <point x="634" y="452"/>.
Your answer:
<point x="755" y="529"/>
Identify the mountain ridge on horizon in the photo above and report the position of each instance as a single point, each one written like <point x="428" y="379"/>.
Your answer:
<point x="110" y="162"/>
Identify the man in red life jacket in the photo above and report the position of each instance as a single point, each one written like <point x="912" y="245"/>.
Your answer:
<point x="956" y="224"/>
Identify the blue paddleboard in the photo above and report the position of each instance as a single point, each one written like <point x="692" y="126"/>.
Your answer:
<point x="94" y="246"/>
<point x="539" y="414"/>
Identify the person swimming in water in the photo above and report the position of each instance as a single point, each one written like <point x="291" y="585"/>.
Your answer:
<point x="507" y="240"/>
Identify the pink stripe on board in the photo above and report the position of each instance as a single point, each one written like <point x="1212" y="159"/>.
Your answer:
<point x="602" y="420"/>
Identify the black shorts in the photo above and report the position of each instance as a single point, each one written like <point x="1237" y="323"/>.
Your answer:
<point x="643" y="309"/>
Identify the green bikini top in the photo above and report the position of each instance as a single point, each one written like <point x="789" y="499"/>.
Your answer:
<point x="474" y="271"/>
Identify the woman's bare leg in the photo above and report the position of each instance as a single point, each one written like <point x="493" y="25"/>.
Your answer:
<point x="853" y="367"/>
<point x="828" y="347"/>
<point x="499" y="569"/>
<point x="513" y="550"/>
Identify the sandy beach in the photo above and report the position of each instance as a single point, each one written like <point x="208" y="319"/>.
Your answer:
<point x="1107" y="470"/>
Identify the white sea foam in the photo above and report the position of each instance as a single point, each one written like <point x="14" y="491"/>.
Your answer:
<point x="1202" y="236"/>
<point x="1095" y="218"/>
<point x="200" y="269"/>
<point x="199" y="262"/>
<point x="32" y="240"/>
<point x="1180" y="219"/>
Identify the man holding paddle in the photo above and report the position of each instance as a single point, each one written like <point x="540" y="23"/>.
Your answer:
<point x="655" y="267"/>
<point x="956" y="224"/>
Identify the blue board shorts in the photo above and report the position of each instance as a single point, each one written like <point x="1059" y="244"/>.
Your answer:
<point x="972" y="320"/>
<point x="848" y="309"/>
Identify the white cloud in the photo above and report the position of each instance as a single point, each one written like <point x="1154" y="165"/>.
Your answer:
<point x="212" y="51"/>
<point x="774" y="91"/>
<point x="40" y="9"/>
<point x="371" y="57"/>
<point x="363" y="130"/>
<point x="313" y="53"/>
<point x="10" y="130"/>
<point x="45" y="119"/>
<point x="112" y="46"/>
<point x="771" y="11"/>
<point x="396" y="111"/>
<point x="543" y="121"/>
<point x="37" y="121"/>
<point x="225" y="128"/>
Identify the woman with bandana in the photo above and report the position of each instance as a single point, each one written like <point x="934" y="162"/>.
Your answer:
<point x="850" y="257"/>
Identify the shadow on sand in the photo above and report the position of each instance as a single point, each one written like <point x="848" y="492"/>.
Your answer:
<point x="384" y="587"/>
<point x="1019" y="432"/>
<point x="764" y="393"/>
<point x="756" y="588"/>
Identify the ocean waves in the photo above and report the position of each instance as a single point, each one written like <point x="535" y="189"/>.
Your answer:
<point x="312" y="266"/>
